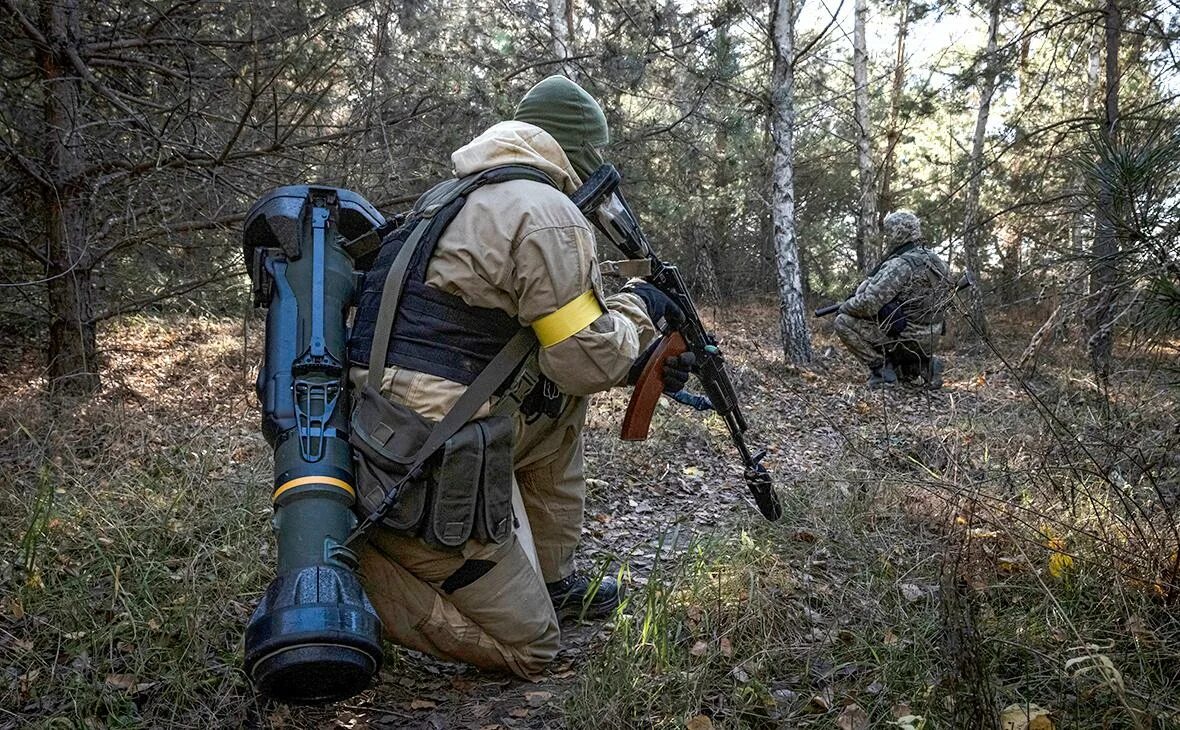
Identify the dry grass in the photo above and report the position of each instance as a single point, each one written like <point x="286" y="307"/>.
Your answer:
<point x="1003" y="541"/>
<point x="138" y="539"/>
<point x="1006" y="541"/>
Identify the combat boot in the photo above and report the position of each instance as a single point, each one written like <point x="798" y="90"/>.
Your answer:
<point x="881" y="375"/>
<point x="577" y="591"/>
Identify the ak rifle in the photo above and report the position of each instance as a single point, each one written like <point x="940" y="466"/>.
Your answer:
<point x="601" y="201"/>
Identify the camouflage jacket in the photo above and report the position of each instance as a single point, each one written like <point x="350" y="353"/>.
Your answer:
<point x="916" y="278"/>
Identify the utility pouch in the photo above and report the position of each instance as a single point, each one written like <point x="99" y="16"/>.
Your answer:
<point x="472" y="486"/>
<point x="466" y="489"/>
<point x="386" y="437"/>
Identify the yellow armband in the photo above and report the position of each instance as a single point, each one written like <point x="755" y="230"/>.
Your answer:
<point x="566" y="322"/>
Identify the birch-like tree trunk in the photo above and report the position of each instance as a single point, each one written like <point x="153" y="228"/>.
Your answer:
<point x="1077" y="269"/>
<point x="866" y="213"/>
<point x="561" y="27"/>
<point x="971" y="242"/>
<point x="893" y="131"/>
<point x="793" y="321"/>
<point x="1105" y="251"/>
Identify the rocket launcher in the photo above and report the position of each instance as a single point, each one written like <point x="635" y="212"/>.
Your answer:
<point x="315" y="636"/>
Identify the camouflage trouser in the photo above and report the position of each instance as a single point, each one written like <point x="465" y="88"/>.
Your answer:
<point x="863" y="338"/>
<point x="868" y="343"/>
<point x="503" y="619"/>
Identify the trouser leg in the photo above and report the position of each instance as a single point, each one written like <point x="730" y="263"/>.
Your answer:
<point x="551" y="473"/>
<point x="862" y="337"/>
<point x="486" y="606"/>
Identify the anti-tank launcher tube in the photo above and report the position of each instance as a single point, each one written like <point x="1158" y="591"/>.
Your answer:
<point x="315" y="637"/>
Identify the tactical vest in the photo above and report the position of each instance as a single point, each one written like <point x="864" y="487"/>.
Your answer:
<point x="925" y="295"/>
<point x="434" y="332"/>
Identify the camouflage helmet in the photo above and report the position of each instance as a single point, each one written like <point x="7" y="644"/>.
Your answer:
<point x="901" y="227"/>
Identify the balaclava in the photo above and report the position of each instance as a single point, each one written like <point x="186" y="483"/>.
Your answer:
<point x="570" y="116"/>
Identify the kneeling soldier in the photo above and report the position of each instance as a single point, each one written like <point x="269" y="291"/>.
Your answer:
<point x="517" y="253"/>
<point x="894" y="321"/>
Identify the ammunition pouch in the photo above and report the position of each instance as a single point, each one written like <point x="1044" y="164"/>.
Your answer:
<point x="464" y="491"/>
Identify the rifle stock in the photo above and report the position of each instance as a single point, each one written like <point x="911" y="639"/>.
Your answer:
<point x="649" y="388"/>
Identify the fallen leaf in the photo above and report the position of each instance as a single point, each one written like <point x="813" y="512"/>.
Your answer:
<point x="784" y="696"/>
<point x="519" y="712"/>
<point x="421" y="704"/>
<point x="911" y="592"/>
<point x="821" y="702"/>
<point x="699" y="648"/>
<point x="726" y="646"/>
<point x="538" y="698"/>
<point x="700" y="722"/>
<point x="890" y="638"/>
<point x="740" y="674"/>
<point x="124" y="682"/>
<point x="1060" y="562"/>
<point x="1025" y="717"/>
<point x="853" y="717"/>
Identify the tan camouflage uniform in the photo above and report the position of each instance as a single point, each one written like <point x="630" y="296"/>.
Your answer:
<point x="913" y="275"/>
<point x="524" y="248"/>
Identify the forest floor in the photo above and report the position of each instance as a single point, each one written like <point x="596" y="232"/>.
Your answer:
<point x="1001" y="550"/>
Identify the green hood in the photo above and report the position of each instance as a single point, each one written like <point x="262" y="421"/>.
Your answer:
<point x="571" y="116"/>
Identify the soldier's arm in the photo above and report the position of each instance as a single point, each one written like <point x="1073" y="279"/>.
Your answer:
<point x="886" y="284"/>
<point x="588" y="342"/>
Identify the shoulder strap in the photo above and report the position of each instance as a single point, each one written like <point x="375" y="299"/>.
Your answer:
<point x="434" y="200"/>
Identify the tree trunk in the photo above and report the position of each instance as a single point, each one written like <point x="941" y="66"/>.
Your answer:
<point x="793" y="322"/>
<point x="971" y="236"/>
<point x="73" y="366"/>
<point x="866" y="213"/>
<point x="893" y="133"/>
<point x="1105" y="251"/>
<point x="1077" y="268"/>
<point x="561" y="27"/>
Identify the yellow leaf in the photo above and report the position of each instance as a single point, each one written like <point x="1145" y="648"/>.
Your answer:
<point x="1059" y="561"/>
<point x="1025" y="717"/>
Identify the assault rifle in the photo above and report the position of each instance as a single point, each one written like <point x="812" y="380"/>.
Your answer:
<point x="603" y="204"/>
<point x="966" y="280"/>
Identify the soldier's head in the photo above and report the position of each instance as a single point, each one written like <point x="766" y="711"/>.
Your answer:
<point x="901" y="227"/>
<point x="570" y="116"/>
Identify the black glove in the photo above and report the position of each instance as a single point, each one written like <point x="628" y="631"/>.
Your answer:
<point x="543" y="400"/>
<point x="664" y="313"/>
<point x="676" y="371"/>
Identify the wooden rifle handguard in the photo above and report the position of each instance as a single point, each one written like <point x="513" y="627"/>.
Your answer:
<point x="649" y="387"/>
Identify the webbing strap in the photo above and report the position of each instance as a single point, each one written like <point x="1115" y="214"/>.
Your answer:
<point x="479" y="392"/>
<point x="570" y="319"/>
<point x="391" y="293"/>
